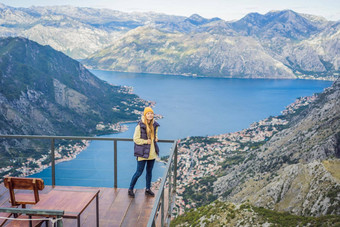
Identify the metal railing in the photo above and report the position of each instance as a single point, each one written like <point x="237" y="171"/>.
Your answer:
<point x="55" y="215"/>
<point x="168" y="179"/>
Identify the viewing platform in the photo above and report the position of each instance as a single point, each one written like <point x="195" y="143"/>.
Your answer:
<point x="116" y="208"/>
<point x="96" y="206"/>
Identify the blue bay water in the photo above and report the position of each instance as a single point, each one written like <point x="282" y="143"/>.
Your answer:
<point x="191" y="106"/>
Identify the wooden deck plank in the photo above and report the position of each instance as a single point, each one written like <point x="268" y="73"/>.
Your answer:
<point x="116" y="208"/>
<point x="140" y="209"/>
<point x="4" y="202"/>
<point x="3" y="189"/>
<point x="106" y="198"/>
<point x="166" y="199"/>
<point x="119" y="207"/>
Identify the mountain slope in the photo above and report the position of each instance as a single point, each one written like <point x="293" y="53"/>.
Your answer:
<point x="147" y="49"/>
<point x="280" y="171"/>
<point x="43" y="91"/>
<point x="293" y="170"/>
<point x="227" y="214"/>
<point x="281" y="44"/>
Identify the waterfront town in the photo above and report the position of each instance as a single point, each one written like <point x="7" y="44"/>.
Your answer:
<point x="200" y="157"/>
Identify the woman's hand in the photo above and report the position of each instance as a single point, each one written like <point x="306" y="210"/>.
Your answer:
<point x="149" y="141"/>
<point x="156" y="139"/>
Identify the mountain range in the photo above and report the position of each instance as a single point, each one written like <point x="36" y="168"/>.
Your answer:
<point x="77" y="32"/>
<point x="279" y="44"/>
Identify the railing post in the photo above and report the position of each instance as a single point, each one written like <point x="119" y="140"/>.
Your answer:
<point x="53" y="162"/>
<point x="115" y="164"/>
<point x="168" y="213"/>
<point x="60" y="221"/>
<point x="175" y="167"/>
<point x="162" y="208"/>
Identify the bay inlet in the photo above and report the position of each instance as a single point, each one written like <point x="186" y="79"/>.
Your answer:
<point x="191" y="106"/>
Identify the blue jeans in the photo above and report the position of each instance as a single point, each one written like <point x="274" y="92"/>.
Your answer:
<point x="139" y="171"/>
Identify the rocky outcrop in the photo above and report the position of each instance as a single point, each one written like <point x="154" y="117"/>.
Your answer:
<point x="70" y="98"/>
<point x="303" y="189"/>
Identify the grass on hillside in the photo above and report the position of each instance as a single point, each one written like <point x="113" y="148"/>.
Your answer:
<point x="227" y="214"/>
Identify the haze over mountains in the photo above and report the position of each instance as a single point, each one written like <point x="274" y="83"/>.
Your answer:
<point x="279" y="44"/>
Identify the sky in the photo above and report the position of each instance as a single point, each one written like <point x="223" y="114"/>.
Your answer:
<point x="224" y="9"/>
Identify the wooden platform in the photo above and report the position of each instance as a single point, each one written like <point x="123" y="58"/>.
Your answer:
<point x="116" y="208"/>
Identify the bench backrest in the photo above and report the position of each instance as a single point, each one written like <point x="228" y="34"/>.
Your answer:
<point x="22" y="183"/>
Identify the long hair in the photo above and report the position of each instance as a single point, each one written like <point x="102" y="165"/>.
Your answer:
<point x="150" y="130"/>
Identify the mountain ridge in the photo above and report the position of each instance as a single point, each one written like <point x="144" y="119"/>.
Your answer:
<point x="286" y="41"/>
<point x="277" y="53"/>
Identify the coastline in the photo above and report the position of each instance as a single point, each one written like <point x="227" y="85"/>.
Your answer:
<point x="298" y="77"/>
<point x="72" y="150"/>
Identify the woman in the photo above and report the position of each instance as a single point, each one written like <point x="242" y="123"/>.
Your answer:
<point x="146" y="149"/>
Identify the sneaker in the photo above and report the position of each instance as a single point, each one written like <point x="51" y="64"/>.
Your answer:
<point x="131" y="193"/>
<point x="149" y="192"/>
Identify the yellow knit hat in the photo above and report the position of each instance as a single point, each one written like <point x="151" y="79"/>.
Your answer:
<point x="147" y="109"/>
